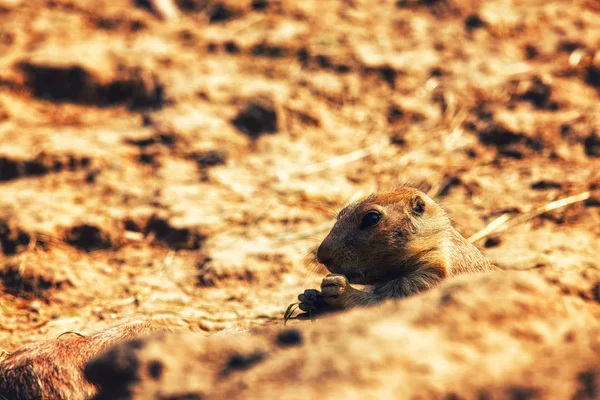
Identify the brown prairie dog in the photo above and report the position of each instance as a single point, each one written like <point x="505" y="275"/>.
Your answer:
<point x="400" y="242"/>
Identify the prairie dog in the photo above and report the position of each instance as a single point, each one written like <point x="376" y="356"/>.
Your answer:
<point x="401" y="242"/>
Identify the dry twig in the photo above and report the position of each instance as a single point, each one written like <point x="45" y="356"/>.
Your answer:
<point x="502" y="223"/>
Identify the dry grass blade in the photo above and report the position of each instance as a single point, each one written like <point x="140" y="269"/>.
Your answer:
<point x="70" y="333"/>
<point x="492" y="226"/>
<point x="289" y="311"/>
<point x="245" y="22"/>
<point x="500" y="224"/>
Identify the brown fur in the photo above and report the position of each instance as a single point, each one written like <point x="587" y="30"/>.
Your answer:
<point x="53" y="369"/>
<point x="411" y="249"/>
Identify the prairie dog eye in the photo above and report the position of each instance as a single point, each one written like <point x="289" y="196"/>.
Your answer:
<point x="370" y="219"/>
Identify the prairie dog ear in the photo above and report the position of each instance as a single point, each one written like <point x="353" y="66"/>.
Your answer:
<point x="417" y="205"/>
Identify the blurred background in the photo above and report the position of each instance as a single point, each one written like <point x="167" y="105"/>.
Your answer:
<point x="161" y="157"/>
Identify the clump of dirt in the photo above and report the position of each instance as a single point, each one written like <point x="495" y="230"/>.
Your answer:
<point x="27" y="283"/>
<point x="177" y="238"/>
<point x="592" y="144"/>
<point x="149" y="158"/>
<point x="289" y="337"/>
<point x="536" y="92"/>
<point x="210" y="158"/>
<point x="592" y="76"/>
<point x="241" y="362"/>
<point x="508" y="143"/>
<point x="165" y="139"/>
<point x="473" y="22"/>
<point x="153" y="148"/>
<point x="215" y="11"/>
<point x="75" y="84"/>
<point x="546" y="185"/>
<point x="41" y="164"/>
<point x="12" y="238"/>
<point x="87" y="238"/>
<point x="257" y="118"/>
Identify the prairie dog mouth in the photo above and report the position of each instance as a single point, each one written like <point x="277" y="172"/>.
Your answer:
<point x="352" y="276"/>
<point x="355" y="277"/>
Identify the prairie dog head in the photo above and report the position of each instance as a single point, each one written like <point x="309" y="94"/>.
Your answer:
<point x="384" y="236"/>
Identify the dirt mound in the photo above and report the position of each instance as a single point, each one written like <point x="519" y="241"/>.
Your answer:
<point x="426" y="346"/>
<point x="527" y="335"/>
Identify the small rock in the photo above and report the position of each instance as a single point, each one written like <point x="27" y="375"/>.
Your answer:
<point x="238" y="361"/>
<point x="538" y="93"/>
<point x="545" y="185"/>
<point x="492" y="241"/>
<point x="210" y="158"/>
<point x="88" y="238"/>
<point x="289" y="337"/>
<point x="592" y="145"/>
<point x="473" y="22"/>
<point x="257" y="118"/>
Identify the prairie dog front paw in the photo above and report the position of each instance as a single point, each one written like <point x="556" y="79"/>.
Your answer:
<point x="334" y="289"/>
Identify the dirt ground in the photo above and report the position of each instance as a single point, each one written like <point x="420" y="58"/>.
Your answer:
<point x="190" y="165"/>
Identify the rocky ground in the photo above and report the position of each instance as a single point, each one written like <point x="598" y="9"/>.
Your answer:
<point x="187" y="162"/>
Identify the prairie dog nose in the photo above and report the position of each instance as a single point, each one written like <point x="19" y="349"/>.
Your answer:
<point x="324" y="255"/>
